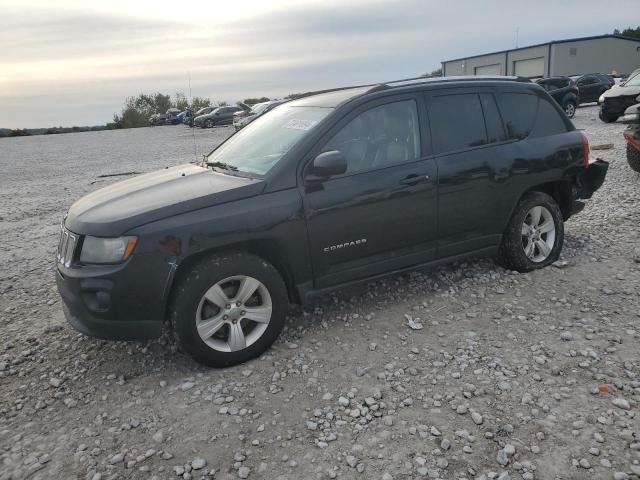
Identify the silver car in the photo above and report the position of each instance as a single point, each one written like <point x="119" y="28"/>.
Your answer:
<point x="241" y="119"/>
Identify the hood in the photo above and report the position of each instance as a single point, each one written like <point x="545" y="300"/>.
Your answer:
<point x="621" y="91"/>
<point x="116" y="209"/>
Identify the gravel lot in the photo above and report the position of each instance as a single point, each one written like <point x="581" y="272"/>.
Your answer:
<point x="514" y="376"/>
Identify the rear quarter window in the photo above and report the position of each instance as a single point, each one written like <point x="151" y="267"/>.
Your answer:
<point x="548" y="120"/>
<point x="528" y="115"/>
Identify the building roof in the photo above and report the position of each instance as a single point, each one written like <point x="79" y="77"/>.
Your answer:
<point x="567" y="40"/>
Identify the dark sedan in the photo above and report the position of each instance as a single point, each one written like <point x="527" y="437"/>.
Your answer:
<point x="593" y="85"/>
<point x="219" y="116"/>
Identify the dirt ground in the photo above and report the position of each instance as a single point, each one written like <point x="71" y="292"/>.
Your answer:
<point x="514" y="376"/>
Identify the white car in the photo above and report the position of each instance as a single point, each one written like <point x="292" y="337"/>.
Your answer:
<point x="241" y="119"/>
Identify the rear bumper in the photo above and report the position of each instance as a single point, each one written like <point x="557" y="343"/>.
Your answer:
<point x="592" y="178"/>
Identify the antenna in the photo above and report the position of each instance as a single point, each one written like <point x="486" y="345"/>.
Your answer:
<point x="193" y="131"/>
<point x="517" y="34"/>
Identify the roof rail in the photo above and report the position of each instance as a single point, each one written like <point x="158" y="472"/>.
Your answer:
<point x="376" y="87"/>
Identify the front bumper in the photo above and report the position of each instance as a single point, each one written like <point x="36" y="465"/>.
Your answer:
<point x="123" y="302"/>
<point x="87" y="324"/>
<point x="592" y="178"/>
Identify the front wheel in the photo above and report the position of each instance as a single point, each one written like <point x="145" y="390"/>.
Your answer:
<point x="228" y="309"/>
<point x="209" y="123"/>
<point x="570" y="109"/>
<point x="535" y="234"/>
<point x="633" y="158"/>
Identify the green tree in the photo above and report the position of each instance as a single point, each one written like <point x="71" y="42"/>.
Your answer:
<point x="162" y="102"/>
<point x="133" y="118"/>
<point x="628" y="32"/>
<point x="180" y="101"/>
<point x="19" y="132"/>
<point x="253" y="101"/>
<point x="199" y="102"/>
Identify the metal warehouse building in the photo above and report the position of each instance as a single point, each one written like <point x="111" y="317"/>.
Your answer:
<point x="575" y="56"/>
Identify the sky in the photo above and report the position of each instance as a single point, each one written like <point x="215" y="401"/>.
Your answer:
<point x="73" y="62"/>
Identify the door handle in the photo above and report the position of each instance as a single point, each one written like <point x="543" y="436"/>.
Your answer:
<point x="415" y="179"/>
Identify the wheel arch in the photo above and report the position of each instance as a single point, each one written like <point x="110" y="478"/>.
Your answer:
<point x="570" y="97"/>
<point x="266" y="249"/>
<point x="560" y="190"/>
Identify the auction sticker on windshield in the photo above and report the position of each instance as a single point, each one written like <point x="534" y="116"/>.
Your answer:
<point x="298" y="124"/>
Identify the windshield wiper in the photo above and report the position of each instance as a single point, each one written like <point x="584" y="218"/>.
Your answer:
<point x="224" y="166"/>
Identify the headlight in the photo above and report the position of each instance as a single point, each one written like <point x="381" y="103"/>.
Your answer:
<point x="601" y="99"/>
<point x="107" y="250"/>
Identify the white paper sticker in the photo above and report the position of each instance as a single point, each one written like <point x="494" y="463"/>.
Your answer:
<point x="297" y="124"/>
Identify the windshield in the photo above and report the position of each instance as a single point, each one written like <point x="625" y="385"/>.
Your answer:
<point x="261" y="144"/>
<point x="260" y="107"/>
<point x="633" y="81"/>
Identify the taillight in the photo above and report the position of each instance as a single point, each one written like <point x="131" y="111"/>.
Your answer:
<point x="585" y="149"/>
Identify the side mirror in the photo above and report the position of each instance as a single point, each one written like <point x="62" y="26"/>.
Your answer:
<point x="328" y="164"/>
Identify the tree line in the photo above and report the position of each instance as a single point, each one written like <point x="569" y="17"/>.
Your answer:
<point x="137" y="110"/>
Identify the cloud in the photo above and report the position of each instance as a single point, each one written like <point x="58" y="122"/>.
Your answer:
<point x="75" y="64"/>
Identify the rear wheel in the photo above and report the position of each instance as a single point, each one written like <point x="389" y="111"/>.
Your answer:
<point x="607" y="117"/>
<point x="570" y="108"/>
<point x="633" y="158"/>
<point x="535" y="234"/>
<point x="229" y="309"/>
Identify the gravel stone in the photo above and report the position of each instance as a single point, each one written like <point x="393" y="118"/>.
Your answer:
<point x="545" y="361"/>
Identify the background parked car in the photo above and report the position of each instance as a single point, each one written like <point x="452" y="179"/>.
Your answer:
<point x="591" y="86"/>
<point x="158" y="119"/>
<point x="564" y="91"/>
<point x="219" y="116"/>
<point x="616" y="100"/>
<point x="173" y="116"/>
<point x="204" y="111"/>
<point x="245" y="117"/>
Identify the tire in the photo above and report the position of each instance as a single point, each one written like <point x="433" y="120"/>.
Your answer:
<point x="633" y="158"/>
<point x="569" y="108"/>
<point x="209" y="123"/>
<point x="512" y="253"/>
<point x="226" y="273"/>
<point x="607" y="117"/>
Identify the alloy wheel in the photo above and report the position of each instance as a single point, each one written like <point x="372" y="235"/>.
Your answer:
<point x="234" y="313"/>
<point x="570" y="109"/>
<point x="538" y="234"/>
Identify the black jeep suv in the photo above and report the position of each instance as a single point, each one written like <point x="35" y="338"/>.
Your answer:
<point x="319" y="193"/>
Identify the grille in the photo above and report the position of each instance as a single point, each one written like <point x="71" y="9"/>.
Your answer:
<point x="66" y="247"/>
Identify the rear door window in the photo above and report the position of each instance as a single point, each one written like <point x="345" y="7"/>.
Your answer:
<point x="457" y="122"/>
<point x="519" y="113"/>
